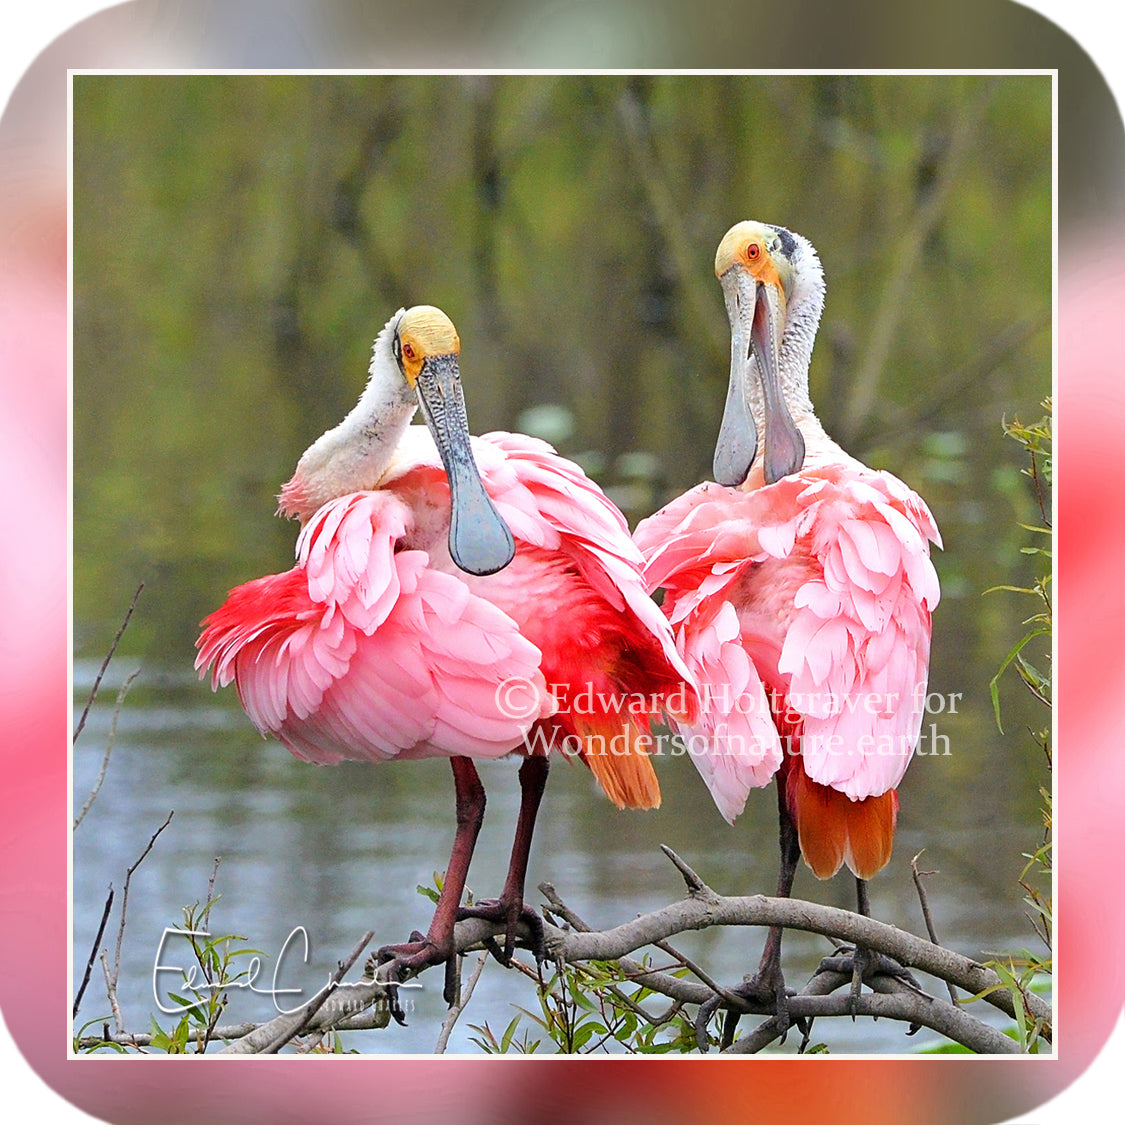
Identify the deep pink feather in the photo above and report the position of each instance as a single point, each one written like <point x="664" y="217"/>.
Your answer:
<point x="376" y="645"/>
<point x="824" y="581"/>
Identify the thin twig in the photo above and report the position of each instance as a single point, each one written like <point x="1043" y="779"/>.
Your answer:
<point x="93" y="953"/>
<point x="916" y="875"/>
<point x="205" y="917"/>
<point x="302" y="1017"/>
<point x="462" y="1003"/>
<point x="111" y="993"/>
<point x="560" y="908"/>
<point x="105" y="665"/>
<point x="124" y="690"/>
<point x="125" y="903"/>
<point x="205" y="962"/>
<point x="694" y="883"/>
<point x="1040" y="498"/>
<point x="698" y="971"/>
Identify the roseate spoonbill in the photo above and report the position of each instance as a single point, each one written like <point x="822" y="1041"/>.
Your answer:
<point x="800" y="587"/>
<point x="467" y="598"/>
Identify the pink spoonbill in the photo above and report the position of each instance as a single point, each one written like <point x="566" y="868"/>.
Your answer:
<point x="800" y="587"/>
<point x="453" y="597"/>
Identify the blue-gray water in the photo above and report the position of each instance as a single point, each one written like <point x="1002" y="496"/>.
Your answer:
<point x="340" y="850"/>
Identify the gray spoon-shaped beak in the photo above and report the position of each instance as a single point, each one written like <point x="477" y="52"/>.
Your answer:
<point x="479" y="539"/>
<point x="755" y="316"/>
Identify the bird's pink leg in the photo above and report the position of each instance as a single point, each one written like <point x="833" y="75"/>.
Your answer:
<point x="769" y="978"/>
<point x="437" y="946"/>
<point x="509" y="907"/>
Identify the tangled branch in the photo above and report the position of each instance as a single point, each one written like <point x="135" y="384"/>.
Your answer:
<point x="367" y="1003"/>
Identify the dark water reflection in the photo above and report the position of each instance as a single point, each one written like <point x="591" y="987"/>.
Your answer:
<point x="341" y="849"/>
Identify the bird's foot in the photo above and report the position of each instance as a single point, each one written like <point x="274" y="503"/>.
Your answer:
<point x="409" y="958"/>
<point x="511" y="913"/>
<point x="862" y="965"/>
<point x="766" y="988"/>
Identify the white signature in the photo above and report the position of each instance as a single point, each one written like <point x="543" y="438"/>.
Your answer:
<point x="191" y="978"/>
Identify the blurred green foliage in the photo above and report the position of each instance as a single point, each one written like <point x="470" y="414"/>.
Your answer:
<point x="239" y="241"/>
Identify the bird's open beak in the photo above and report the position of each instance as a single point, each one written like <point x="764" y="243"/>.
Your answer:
<point x="755" y="315"/>
<point x="479" y="540"/>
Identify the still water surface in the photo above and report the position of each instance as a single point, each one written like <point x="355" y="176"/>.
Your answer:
<point x="340" y="850"/>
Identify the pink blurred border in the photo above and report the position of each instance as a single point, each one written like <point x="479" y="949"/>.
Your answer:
<point x="34" y="704"/>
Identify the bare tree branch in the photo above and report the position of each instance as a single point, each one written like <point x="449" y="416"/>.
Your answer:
<point x="343" y="1006"/>
<point x="108" y="747"/>
<point x="105" y="664"/>
<point x="270" y="1037"/>
<point x="890" y="1000"/>
<point x="706" y="908"/>
<point x="462" y="1002"/>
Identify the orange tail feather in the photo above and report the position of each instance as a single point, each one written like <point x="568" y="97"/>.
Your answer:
<point x="617" y="752"/>
<point x="834" y="829"/>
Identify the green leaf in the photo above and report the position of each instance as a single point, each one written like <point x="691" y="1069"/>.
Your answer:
<point x="509" y="1031"/>
<point x="428" y="892"/>
<point x="994" y="683"/>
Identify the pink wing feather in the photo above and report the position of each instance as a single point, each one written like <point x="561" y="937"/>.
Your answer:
<point x="363" y="652"/>
<point x="830" y="576"/>
<point x="550" y="503"/>
<point x="733" y="742"/>
<point x="369" y="649"/>
<point x="856" y="652"/>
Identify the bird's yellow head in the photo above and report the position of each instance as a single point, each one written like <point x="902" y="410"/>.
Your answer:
<point x="423" y="332"/>
<point x="427" y="350"/>
<point x="757" y="248"/>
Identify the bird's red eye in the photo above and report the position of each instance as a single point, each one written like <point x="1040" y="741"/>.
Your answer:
<point x="753" y="252"/>
<point x="408" y="351"/>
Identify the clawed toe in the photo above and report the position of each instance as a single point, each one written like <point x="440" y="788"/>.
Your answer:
<point x="418" y="953"/>
<point x="862" y="965"/>
<point x="396" y="963"/>
<point x="409" y="959"/>
<point x="762" y="990"/>
<point x="511" y="914"/>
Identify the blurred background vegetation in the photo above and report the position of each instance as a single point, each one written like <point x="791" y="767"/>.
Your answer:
<point x="238" y="241"/>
